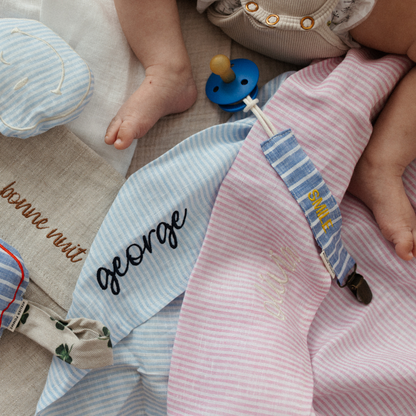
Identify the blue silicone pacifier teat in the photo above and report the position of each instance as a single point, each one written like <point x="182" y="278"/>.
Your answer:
<point x="231" y="82"/>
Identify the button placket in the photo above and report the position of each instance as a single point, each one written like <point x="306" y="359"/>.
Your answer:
<point x="307" y="23"/>
<point x="272" y="19"/>
<point x="252" y="7"/>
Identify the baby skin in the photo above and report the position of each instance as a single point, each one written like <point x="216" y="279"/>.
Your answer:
<point x="377" y="179"/>
<point x="154" y="34"/>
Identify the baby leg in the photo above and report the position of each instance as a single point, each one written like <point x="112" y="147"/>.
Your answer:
<point x="389" y="28"/>
<point x="153" y="32"/>
<point x="377" y="179"/>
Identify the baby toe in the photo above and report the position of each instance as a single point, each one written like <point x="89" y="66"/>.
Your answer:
<point x="404" y="244"/>
<point x="112" y="130"/>
<point x="125" y="136"/>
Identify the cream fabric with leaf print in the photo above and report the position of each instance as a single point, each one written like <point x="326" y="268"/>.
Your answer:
<point x="84" y="343"/>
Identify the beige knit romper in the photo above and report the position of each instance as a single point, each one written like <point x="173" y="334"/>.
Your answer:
<point x="287" y="30"/>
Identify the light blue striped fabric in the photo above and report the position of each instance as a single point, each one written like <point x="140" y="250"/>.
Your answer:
<point x="312" y="194"/>
<point x="137" y="382"/>
<point x="43" y="81"/>
<point x="13" y="283"/>
<point x="141" y="306"/>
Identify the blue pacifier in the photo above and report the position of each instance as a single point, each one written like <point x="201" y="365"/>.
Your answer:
<point x="231" y="82"/>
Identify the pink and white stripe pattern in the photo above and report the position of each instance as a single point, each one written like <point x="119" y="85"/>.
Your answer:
<point x="262" y="331"/>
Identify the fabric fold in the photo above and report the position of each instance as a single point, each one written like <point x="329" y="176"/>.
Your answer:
<point x="83" y="343"/>
<point x="146" y="248"/>
<point x="259" y="282"/>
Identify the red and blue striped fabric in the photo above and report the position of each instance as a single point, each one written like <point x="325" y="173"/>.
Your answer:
<point x="14" y="279"/>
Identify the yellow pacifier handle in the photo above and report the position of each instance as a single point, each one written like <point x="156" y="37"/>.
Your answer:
<point x="221" y="65"/>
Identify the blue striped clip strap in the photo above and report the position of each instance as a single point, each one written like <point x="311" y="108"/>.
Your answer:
<point x="310" y="191"/>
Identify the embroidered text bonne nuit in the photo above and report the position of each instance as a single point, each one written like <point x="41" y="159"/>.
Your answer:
<point x="72" y="251"/>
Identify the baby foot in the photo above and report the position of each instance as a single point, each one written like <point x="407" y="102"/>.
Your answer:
<point x="382" y="190"/>
<point x="163" y="91"/>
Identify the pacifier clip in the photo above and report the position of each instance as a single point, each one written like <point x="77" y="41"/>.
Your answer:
<point x="320" y="208"/>
<point x="233" y="86"/>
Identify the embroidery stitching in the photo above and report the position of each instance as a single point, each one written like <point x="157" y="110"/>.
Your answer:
<point x="321" y="210"/>
<point x="13" y="198"/>
<point x="57" y="91"/>
<point x="286" y="262"/>
<point x="21" y="83"/>
<point x="135" y="252"/>
<point x="68" y="247"/>
<point x="303" y="180"/>
<point x="3" y="60"/>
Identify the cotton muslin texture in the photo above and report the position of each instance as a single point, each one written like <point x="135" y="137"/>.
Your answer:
<point x="241" y="346"/>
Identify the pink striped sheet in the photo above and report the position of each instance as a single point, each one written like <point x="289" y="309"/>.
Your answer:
<point x="243" y="347"/>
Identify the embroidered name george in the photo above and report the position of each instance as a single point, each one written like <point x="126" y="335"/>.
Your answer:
<point x="135" y="252"/>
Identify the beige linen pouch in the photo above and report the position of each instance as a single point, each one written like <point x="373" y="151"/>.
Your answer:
<point x="54" y="194"/>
